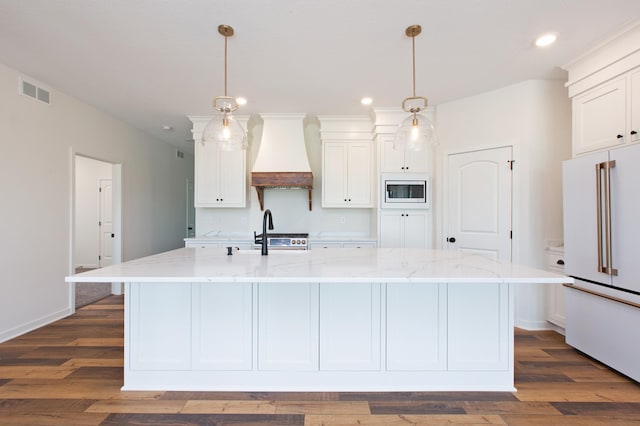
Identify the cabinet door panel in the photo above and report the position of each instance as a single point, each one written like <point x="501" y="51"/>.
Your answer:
<point x="599" y="116"/>
<point x="206" y="174"/>
<point x="478" y="326"/>
<point x="359" y="180"/>
<point x="392" y="161"/>
<point x="349" y="326"/>
<point x="415" y="229"/>
<point x="416" y="327"/>
<point x="334" y="174"/>
<point x="288" y="326"/>
<point x="160" y="341"/>
<point x="391" y="229"/>
<point x="232" y="178"/>
<point x="222" y="323"/>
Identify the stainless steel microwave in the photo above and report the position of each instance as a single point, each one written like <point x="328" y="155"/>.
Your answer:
<point x="403" y="191"/>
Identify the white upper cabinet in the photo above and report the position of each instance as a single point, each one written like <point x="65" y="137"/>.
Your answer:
<point x="220" y="176"/>
<point x="347" y="179"/>
<point x="393" y="161"/>
<point x="599" y="117"/>
<point x="347" y="162"/>
<point x="604" y="86"/>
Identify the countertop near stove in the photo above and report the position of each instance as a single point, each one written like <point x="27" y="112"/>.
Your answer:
<point x="191" y="265"/>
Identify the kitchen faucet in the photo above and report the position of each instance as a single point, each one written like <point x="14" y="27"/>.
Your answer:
<point x="264" y="230"/>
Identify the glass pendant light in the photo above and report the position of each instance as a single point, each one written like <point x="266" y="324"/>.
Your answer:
<point x="416" y="132"/>
<point x="223" y="129"/>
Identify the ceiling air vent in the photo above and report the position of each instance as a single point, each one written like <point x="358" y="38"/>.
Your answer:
<point x="35" y="92"/>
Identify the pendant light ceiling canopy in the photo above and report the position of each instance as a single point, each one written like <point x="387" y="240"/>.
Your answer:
<point x="223" y="129"/>
<point x="416" y="132"/>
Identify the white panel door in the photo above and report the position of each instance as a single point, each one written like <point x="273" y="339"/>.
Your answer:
<point x="625" y="216"/>
<point x="222" y="324"/>
<point x="349" y="326"/>
<point x="288" y="326"/>
<point x="232" y="179"/>
<point x="160" y="341"/>
<point x="391" y="228"/>
<point x="478" y="332"/>
<point x="580" y="223"/>
<point x="106" y="223"/>
<point x="416" y="324"/>
<point x="479" y="202"/>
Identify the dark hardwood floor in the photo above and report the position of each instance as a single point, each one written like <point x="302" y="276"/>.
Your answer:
<point x="70" y="373"/>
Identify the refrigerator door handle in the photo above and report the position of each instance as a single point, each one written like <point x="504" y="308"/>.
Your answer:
<point x="599" y="167"/>
<point x="607" y="217"/>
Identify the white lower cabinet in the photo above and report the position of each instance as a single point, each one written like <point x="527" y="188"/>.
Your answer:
<point x="404" y="228"/>
<point x="160" y="341"/>
<point x="222" y="326"/>
<point x="416" y="327"/>
<point x="479" y="333"/>
<point x="288" y="326"/>
<point x="349" y="326"/>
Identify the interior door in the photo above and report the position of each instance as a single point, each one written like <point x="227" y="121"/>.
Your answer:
<point x="106" y="223"/>
<point x="479" y="202"/>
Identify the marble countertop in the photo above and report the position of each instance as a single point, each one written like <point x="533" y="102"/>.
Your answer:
<point x="326" y="265"/>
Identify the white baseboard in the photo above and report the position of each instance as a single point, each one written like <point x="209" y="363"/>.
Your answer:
<point x="32" y="325"/>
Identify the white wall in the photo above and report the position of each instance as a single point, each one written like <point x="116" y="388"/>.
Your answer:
<point x="88" y="174"/>
<point x="290" y="207"/>
<point x="535" y="118"/>
<point x="38" y="144"/>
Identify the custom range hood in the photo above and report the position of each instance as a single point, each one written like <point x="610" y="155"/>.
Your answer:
<point x="282" y="161"/>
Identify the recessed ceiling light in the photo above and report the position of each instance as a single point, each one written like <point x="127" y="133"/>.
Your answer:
<point x="366" y="101"/>
<point x="546" y="39"/>
<point x="167" y="128"/>
<point x="241" y="101"/>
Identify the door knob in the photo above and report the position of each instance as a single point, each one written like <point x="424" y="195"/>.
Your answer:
<point x="451" y="239"/>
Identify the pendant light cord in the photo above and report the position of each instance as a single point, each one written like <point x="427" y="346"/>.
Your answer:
<point x="225" y="65"/>
<point x="413" y="54"/>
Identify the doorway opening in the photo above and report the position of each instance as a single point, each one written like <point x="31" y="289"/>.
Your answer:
<point x="96" y="224"/>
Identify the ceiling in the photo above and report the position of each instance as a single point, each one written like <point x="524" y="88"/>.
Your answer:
<point x="154" y="62"/>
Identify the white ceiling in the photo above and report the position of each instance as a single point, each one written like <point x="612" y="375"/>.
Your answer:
<point x="153" y="62"/>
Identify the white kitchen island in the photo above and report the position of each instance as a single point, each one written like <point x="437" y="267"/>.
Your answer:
<point x="319" y="320"/>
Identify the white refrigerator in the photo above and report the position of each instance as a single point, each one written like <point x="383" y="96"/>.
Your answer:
<point x="601" y="206"/>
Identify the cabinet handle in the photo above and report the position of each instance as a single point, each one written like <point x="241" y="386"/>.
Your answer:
<point x="620" y="136"/>
<point x="633" y="132"/>
<point x="560" y="262"/>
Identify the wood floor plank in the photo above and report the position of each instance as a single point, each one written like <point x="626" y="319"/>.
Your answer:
<point x="52" y="419"/>
<point x="44" y="405"/>
<point x="579" y="392"/>
<point x="204" y="419"/>
<point x="136" y="406"/>
<point x="404" y="420"/>
<point x="70" y="389"/>
<point x="323" y="407"/>
<point x="229" y="407"/>
<point x="524" y="420"/>
<point x="98" y="341"/>
<point x="510" y="407"/>
<point x="416" y="407"/>
<point x="93" y="362"/>
<point x="35" y="372"/>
